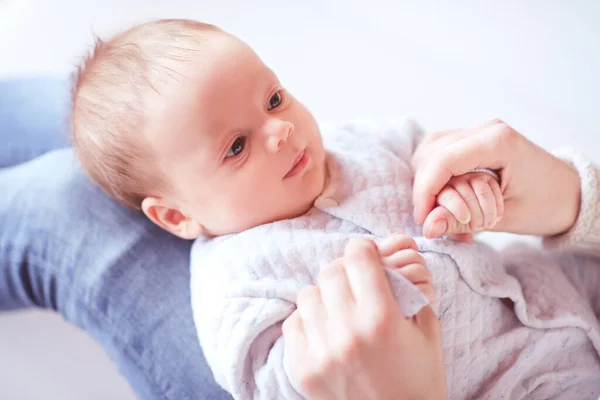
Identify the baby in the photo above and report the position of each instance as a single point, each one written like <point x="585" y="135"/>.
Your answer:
<point x="184" y="121"/>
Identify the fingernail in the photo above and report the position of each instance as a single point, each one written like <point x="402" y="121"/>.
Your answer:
<point x="438" y="228"/>
<point x="466" y="220"/>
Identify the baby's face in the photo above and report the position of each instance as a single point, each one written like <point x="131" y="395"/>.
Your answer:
<point x="237" y="149"/>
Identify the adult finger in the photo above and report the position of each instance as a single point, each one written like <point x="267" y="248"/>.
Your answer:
<point x="439" y="140"/>
<point x="293" y="329"/>
<point x="366" y="275"/>
<point x="303" y="366"/>
<point x="475" y="151"/>
<point x="295" y="341"/>
<point x="314" y="317"/>
<point x="435" y="141"/>
<point x="335" y="289"/>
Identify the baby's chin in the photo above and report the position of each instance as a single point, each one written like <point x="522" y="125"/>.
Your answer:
<point x="295" y="209"/>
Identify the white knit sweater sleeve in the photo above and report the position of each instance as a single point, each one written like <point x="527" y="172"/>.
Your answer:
<point x="585" y="234"/>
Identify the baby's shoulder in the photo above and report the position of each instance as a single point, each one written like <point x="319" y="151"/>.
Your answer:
<point x="267" y="248"/>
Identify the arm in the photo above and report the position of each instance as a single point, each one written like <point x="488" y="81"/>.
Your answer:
<point x="242" y="341"/>
<point x="541" y="192"/>
<point x="239" y="310"/>
<point x="585" y="233"/>
<point x="241" y="293"/>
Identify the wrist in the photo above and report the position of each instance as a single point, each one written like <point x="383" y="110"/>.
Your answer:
<point x="570" y="205"/>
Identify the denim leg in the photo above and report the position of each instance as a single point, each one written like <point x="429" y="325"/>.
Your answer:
<point x="64" y="245"/>
<point x="33" y="118"/>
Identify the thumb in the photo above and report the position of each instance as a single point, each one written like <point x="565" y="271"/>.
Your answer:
<point x="441" y="222"/>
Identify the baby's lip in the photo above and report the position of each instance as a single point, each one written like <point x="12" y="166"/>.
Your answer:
<point x="299" y="157"/>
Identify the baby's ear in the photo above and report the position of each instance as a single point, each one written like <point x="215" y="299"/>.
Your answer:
<point x="171" y="219"/>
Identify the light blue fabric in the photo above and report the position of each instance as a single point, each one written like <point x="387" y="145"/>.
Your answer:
<point x="33" y="118"/>
<point x="66" y="246"/>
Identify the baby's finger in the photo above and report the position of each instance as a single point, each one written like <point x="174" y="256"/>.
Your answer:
<point x="366" y="275"/>
<point x="441" y="222"/>
<point x="486" y="200"/>
<point x="464" y="188"/>
<point x="395" y="243"/>
<point x="451" y="199"/>
<point x="499" y="199"/>
<point x="403" y="258"/>
<point x="418" y="275"/>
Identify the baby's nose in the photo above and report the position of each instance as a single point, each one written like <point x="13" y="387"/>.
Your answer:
<point x="278" y="133"/>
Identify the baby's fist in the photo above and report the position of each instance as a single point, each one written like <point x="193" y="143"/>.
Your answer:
<point x="401" y="253"/>
<point x="468" y="204"/>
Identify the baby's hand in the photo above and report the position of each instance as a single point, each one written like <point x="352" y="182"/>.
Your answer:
<point x="474" y="200"/>
<point x="400" y="252"/>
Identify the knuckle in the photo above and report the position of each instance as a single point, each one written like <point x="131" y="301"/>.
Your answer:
<point x="484" y="192"/>
<point x="506" y="135"/>
<point x="306" y="295"/>
<point x="412" y="254"/>
<point x="495" y="121"/>
<point x="402" y="236"/>
<point x="420" y="262"/>
<point x="437" y="135"/>
<point x="360" y="245"/>
<point x="447" y="195"/>
<point x="379" y="325"/>
<point x="466" y="228"/>
<point x="476" y="225"/>
<point x="309" y="379"/>
<point x="349" y="348"/>
<point x="490" y="219"/>
<point x="330" y="272"/>
<point x="470" y="198"/>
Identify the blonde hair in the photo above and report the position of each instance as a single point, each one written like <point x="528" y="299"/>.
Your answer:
<point x="109" y="113"/>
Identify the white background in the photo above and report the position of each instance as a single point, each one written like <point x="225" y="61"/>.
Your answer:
<point x="535" y="64"/>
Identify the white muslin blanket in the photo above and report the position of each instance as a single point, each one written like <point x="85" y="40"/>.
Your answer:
<point x="520" y="324"/>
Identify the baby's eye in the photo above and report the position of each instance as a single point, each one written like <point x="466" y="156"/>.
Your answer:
<point x="237" y="147"/>
<point x="275" y="101"/>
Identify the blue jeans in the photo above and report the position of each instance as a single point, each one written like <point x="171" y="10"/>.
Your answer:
<point x="66" y="246"/>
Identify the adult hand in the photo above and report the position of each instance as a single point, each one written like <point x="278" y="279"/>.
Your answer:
<point x="348" y="339"/>
<point x="541" y="192"/>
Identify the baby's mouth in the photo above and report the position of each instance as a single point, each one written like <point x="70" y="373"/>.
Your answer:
<point x="299" y="164"/>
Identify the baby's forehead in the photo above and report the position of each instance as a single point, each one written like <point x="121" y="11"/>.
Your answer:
<point x="232" y="72"/>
